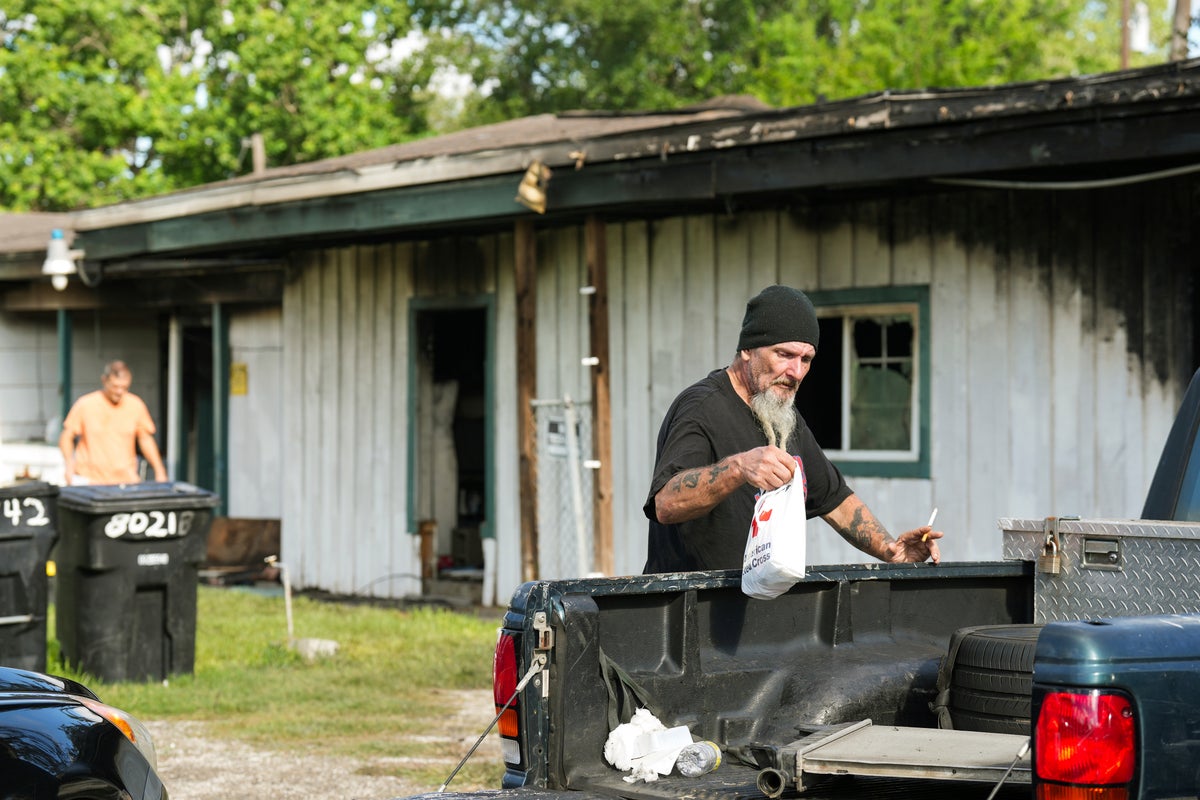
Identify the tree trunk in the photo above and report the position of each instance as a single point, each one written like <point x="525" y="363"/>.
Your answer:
<point x="1179" y="30"/>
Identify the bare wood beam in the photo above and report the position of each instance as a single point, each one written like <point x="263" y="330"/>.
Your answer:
<point x="525" y="278"/>
<point x="146" y="292"/>
<point x="602" y="481"/>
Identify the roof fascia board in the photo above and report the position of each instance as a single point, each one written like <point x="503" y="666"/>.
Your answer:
<point x="844" y="162"/>
<point x="277" y="191"/>
<point x="1135" y="92"/>
<point x="286" y="225"/>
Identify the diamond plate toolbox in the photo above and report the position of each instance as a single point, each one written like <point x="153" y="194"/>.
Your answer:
<point x="1090" y="569"/>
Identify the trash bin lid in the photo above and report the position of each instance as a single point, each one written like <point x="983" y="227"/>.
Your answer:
<point x="28" y="489"/>
<point x="107" y="499"/>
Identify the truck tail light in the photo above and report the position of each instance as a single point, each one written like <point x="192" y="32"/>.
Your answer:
<point x="1084" y="746"/>
<point x="504" y="688"/>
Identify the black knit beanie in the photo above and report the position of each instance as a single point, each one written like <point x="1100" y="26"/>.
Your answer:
<point x="778" y="314"/>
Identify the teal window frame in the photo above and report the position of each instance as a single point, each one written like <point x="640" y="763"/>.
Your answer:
<point x="835" y="302"/>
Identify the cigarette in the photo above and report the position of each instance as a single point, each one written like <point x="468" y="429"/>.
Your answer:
<point x="929" y="524"/>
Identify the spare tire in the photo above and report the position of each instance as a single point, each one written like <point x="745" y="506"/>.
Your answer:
<point x="991" y="678"/>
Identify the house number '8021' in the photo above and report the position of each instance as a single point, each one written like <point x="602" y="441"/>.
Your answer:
<point x="151" y="524"/>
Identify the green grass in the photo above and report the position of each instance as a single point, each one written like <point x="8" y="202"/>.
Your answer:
<point x="383" y="690"/>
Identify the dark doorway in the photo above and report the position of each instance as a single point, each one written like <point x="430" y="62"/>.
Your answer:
<point x="196" y="405"/>
<point x="452" y="429"/>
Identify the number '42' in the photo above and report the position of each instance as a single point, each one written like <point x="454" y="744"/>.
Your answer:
<point x="31" y="510"/>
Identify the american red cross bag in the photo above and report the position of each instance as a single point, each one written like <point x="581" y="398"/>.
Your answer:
<point x="774" y="559"/>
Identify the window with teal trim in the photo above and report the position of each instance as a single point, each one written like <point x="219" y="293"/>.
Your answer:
<point x="863" y="398"/>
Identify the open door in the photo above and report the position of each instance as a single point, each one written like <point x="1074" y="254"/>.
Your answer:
<point x="196" y="413"/>
<point x="450" y="475"/>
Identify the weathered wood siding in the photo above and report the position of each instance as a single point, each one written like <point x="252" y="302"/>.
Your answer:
<point x="562" y="343"/>
<point x="1061" y="330"/>
<point x="255" y="436"/>
<point x="346" y="509"/>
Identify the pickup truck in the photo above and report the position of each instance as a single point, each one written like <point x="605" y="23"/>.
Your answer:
<point x="1070" y="669"/>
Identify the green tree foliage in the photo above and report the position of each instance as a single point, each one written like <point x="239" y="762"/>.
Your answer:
<point x="76" y="91"/>
<point x="550" y="55"/>
<point x="106" y="100"/>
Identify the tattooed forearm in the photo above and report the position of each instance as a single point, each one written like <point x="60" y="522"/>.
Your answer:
<point x="715" y="471"/>
<point x="864" y="532"/>
<point x="694" y="492"/>
<point x="691" y="479"/>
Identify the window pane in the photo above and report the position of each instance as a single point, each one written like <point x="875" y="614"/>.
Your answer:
<point x="868" y="338"/>
<point x="881" y="385"/>
<point x="900" y="338"/>
<point x="820" y="395"/>
<point x="881" y="411"/>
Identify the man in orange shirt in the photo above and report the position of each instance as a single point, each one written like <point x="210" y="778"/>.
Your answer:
<point x="103" y="431"/>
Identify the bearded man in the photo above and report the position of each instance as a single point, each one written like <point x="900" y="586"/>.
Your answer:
<point x="737" y="432"/>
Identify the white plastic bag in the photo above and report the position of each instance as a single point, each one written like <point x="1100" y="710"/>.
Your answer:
<point x="645" y="746"/>
<point x="774" y="559"/>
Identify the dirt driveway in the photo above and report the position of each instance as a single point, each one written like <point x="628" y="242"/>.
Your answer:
<point x="197" y="762"/>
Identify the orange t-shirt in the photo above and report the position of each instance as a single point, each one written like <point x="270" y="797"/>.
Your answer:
<point x="106" y="450"/>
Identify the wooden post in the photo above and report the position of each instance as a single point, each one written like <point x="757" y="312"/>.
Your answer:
<point x="525" y="279"/>
<point x="602" y="481"/>
<point x="258" y="153"/>
<point x="66" y="399"/>
<point x="427" y="529"/>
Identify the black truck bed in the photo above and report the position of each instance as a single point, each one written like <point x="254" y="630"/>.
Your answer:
<point x="744" y="672"/>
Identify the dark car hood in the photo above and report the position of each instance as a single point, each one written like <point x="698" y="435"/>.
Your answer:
<point x="20" y="681"/>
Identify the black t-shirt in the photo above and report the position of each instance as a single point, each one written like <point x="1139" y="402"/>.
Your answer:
<point x="707" y="422"/>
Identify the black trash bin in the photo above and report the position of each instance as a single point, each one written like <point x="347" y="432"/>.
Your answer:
<point x="128" y="561"/>
<point x="28" y="530"/>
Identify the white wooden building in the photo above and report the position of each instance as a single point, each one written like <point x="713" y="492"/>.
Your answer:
<point x="367" y="333"/>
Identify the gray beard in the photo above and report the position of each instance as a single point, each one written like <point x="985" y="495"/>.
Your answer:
<point x="776" y="416"/>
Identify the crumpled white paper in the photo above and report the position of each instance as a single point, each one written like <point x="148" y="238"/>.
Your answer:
<point x="645" y="747"/>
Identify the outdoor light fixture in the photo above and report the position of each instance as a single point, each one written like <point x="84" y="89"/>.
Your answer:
<point x="60" y="260"/>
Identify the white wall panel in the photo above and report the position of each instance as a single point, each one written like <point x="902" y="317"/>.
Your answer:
<point x="635" y="425"/>
<point x="256" y="418"/>
<point x="672" y="364"/>
<point x="983" y="391"/>
<point x="506" y="527"/>
<point x="404" y="556"/>
<point x="950" y="399"/>
<point x="872" y="250"/>
<point x="799" y="245"/>
<point x="1030" y="389"/>
<point x="835" y="249"/>
<point x="699" y="295"/>
<point x="29" y="400"/>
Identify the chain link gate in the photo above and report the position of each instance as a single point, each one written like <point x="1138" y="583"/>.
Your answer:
<point x="565" y="524"/>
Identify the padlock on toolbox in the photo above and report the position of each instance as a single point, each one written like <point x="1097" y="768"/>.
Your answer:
<point x="1050" y="561"/>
